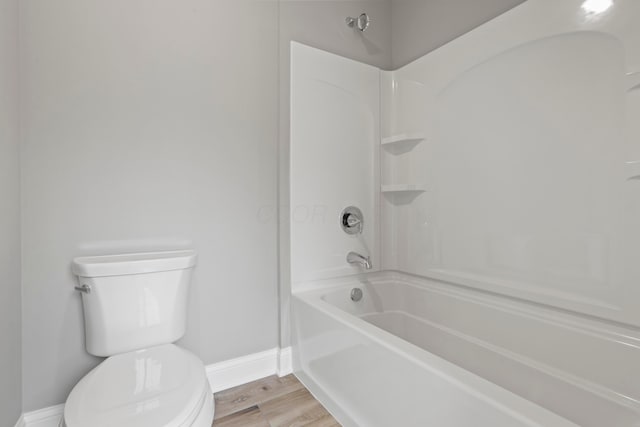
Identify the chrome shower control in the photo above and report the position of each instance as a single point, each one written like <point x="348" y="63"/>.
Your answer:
<point x="351" y="220"/>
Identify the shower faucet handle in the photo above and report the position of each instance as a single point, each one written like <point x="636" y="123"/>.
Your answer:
<point x="351" y="220"/>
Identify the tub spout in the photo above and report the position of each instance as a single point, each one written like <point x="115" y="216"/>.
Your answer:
<point x="356" y="258"/>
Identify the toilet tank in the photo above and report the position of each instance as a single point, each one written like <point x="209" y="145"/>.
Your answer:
<point x="134" y="301"/>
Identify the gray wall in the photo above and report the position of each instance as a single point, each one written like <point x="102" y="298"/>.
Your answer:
<point x="420" y="26"/>
<point x="321" y="24"/>
<point x="153" y="124"/>
<point x="10" y="329"/>
<point x="148" y="125"/>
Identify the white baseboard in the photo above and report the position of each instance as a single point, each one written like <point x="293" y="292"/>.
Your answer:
<point x="47" y="417"/>
<point x="235" y="372"/>
<point x="285" y="362"/>
<point x="222" y="375"/>
<point x="20" y="422"/>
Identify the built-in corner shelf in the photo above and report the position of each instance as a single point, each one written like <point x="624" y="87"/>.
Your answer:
<point x="632" y="170"/>
<point x="402" y="194"/>
<point x="402" y="142"/>
<point x="633" y="82"/>
<point x="403" y="138"/>
<point x="403" y="188"/>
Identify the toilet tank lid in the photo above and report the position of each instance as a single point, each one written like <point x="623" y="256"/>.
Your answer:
<point x="137" y="263"/>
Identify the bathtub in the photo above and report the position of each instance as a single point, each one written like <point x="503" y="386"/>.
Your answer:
<point x="417" y="352"/>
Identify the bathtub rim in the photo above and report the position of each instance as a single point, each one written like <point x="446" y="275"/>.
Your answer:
<point x="501" y="399"/>
<point x="584" y="323"/>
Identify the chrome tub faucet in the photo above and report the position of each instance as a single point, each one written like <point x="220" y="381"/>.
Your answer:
<point x="356" y="258"/>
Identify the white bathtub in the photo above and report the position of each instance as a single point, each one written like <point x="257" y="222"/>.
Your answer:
<point x="415" y="352"/>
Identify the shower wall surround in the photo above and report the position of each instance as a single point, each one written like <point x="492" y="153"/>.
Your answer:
<point x="10" y="294"/>
<point x="509" y="178"/>
<point x="321" y="24"/>
<point x="529" y="158"/>
<point x="509" y="159"/>
<point x="335" y="116"/>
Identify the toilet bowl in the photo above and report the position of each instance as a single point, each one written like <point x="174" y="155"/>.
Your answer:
<point x="135" y="308"/>
<point x="160" y="386"/>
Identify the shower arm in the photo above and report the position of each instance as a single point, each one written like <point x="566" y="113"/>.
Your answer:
<point x="362" y="22"/>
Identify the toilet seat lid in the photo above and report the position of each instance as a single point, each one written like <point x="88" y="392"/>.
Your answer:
<point x="161" y="386"/>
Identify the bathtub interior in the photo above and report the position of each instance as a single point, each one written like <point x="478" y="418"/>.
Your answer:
<point x="367" y="377"/>
<point x="580" y="368"/>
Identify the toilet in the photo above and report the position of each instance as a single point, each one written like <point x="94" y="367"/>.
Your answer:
<point x="135" y="308"/>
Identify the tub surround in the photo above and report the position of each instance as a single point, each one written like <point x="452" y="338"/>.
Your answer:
<point x="335" y="116"/>
<point x="453" y="125"/>
<point x="506" y="183"/>
<point x="530" y="140"/>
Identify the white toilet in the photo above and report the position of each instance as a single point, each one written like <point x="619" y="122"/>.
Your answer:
<point x="135" y="307"/>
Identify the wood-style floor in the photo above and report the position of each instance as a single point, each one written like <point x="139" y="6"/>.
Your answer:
<point x="270" y="402"/>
